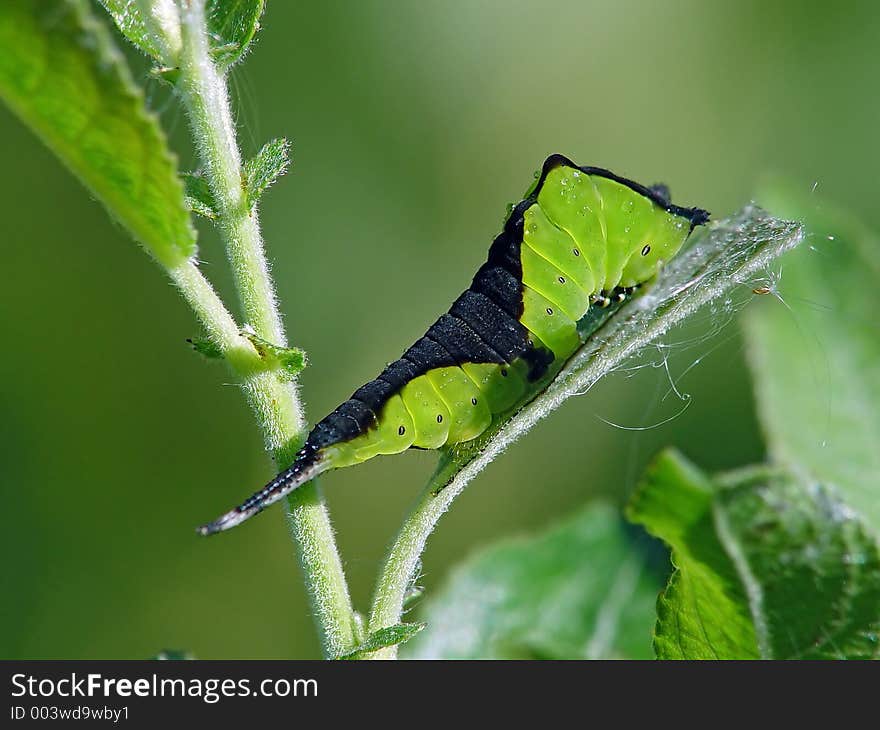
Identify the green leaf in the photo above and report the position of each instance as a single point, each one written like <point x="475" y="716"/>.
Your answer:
<point x="389" y="636"/>
<point x="767" y="564"/>
<point x="289" y="360"/>
<point x="261" y="171"/>
<point x="815" y="361"/>
<point x="198" y="197"/>
<point x="582" y="589"/>
<point x="62" y="74"/>
<point x="811" y="567"/>
<point x="232" y="25"/>
<point x="703" y="613"/>
<point x="206" y="348"/>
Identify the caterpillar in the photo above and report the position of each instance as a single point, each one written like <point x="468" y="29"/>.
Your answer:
<point x="581" y="242"/>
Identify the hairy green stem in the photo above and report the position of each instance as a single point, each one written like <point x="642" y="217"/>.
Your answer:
<point x="402" y="562"/>
<point x="212" y="314"/>
<point x="207" y="101"/>
<point x="309" y="522"/>
<point x="274" y="400"/>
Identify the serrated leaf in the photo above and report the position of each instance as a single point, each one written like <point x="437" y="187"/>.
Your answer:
<point x="61" y="73"/>
<point x="206" y="348"/>
<point x="383" y="638"/>
<point x="583" y="589"/>
<point x="194" y="205"/>
<point x="816" y="361"/>
<point x="262" y="170"/>
<point x="198" y="196"/>
<point x="704" y="612"/>
<point x="289" y="360"/>
<point x="232" y="25"/>
<point x="793" y="559"/>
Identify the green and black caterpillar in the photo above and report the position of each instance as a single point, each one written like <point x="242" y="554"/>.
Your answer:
<point x="582" y="241"/>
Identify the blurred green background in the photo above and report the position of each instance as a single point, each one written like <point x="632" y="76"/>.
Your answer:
<point x="414" y="124"/>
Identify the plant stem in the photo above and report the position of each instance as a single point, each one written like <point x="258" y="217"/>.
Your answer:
<point x="309" y="522"/>
<point x="402" y="562"/>
<point x="207" y="101"/>
<point x="275" y="401"/>
<point x="212" y="314"/>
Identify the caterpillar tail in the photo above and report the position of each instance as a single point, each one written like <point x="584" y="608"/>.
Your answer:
<point x="309" y="463"/>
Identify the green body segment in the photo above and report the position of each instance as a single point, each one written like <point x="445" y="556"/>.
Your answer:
<point x="571" y="204"/>
<point x="584" y="235"/>
<point x="444" y="406"/>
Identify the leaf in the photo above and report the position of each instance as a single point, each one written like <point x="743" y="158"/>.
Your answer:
<point x="816" y="565"/>
<point x="383" y="638"/>
<point x="166" y="74"/>
<point x="582" y="589"/>
<point x="61" y="73"/>
<point x="815" y="361"/>
<point x="232" y="25"/>
<point x="206" y="348"/>
<point x="289" y="360"/>
<point x="261" y="171"/>
<point x="198" y="196"/>
<point x="764" y="544"/>
<point x="704" y="612"/>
